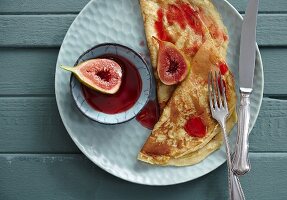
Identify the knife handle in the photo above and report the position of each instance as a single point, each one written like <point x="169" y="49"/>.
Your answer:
<point x="240" y="163"/>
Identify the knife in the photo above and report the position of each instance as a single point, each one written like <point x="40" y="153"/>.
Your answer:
<point x="240" y="162"/>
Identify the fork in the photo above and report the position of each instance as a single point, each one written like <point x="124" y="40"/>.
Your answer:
<point x="219" y="110"/>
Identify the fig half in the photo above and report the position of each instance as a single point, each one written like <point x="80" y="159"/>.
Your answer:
<point x="172" y="66"/>
<point x="103" y="75"/>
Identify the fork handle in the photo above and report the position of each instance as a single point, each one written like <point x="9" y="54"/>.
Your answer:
<point x="236" y="189"/>
<point x="234" y="186"/>
<point x="241" y="164"/>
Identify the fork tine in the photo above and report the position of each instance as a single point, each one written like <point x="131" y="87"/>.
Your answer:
<point x="213" y="92"/>
<point x="223" y="92"/>
<point x="217" y="77"/>
<point x="209" y="91"/>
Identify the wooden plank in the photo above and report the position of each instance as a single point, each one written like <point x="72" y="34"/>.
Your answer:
<point x="275" y="73"/>
<point x="271" y="30"/>
<point x="269" y="133"/>
<point x="33" y="125"/>
<point x="33" y="71"/>
<point x="41" y="6"/>
<point x="27" y="71"/>
<point x="71" y="6"/>
<point x="264" y="5"/>
<point x="34" y="30"/>
<point x="73" y="177"/>
<point x="49" y="30"/>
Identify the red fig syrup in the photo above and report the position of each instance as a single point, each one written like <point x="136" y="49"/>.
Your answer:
<point x="149" y="115"/>
<point x="180" y="13"/>
<point x="127" y="95"/>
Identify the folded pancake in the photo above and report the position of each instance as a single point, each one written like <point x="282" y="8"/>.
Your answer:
<point x="186" y="124"/>
<point x="187" y="24"/>
<point x="199" y="155"/>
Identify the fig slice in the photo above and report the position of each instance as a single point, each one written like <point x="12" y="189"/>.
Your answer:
<point x="172" y="66"/>
<point x="103" y="75"/>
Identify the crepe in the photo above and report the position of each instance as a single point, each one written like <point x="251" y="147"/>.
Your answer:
<point x="169" y="142"/>
<point x="187" y="24"/>
<point x="188" y="41"/>
<point x="196" y="156"/>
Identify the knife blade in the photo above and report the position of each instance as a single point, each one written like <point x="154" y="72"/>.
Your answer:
<point x="247" y="47"/>
<point x="240" y="162"/>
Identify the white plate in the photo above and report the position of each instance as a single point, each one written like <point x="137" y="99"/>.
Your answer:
<point x="115" y="147"/>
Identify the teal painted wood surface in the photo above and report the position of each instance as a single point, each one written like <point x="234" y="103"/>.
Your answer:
<point x="38" y="160"/>
<point x="32" y="124"/>
<point x="266" y="6"/>
<point x="274" y="64"/>
<point x="41" y="6"/>
<point x="33" y="71"/>
<point x="49" y="30"/>
<point x="34" y="30"/>
<point x="73" y="177"/>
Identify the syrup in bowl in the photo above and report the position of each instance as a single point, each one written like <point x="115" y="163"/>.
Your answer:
<point x="129" y="100"/>
<point x="125" y="97"/>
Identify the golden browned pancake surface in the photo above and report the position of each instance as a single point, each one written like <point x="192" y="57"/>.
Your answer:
<point x="169" y="144"/>
<point x="169" y="139"/>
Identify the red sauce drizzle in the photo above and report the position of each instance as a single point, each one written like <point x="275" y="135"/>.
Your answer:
<point x="192" y="17"/>
<point x="142" y="43"/>
<point x="213" y="27"/>
<point x="180" y="13"/>
<point x="162" y="34"/>
<point x="195" y="127"/>
<point x="175" y="15"/>
<point x="183" y="14"/>
<point x="225" y="37"/>
<point x="149" y="115"/>
<point x="223" y="67"/>
<point x="127" y="95"/>
<point x="214" y="31"/>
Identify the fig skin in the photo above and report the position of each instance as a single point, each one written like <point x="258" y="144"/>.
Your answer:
<point x="168" y="51"/>
<point x="98" y="84"/>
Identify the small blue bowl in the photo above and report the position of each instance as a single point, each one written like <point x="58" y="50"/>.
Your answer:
<point x="141" y="66"/>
